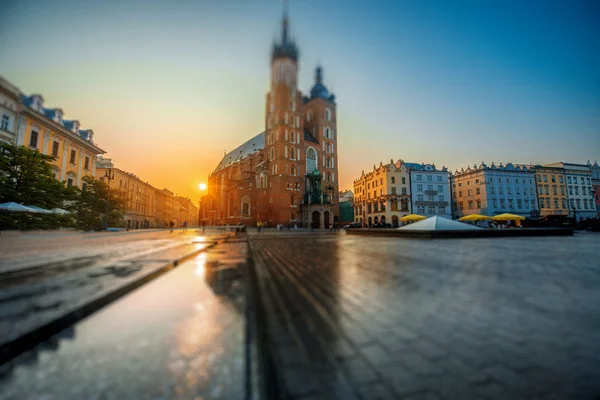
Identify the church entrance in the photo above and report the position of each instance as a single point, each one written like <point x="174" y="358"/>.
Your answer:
<point x="326" y="219"/>
<point x="316" y="220"/>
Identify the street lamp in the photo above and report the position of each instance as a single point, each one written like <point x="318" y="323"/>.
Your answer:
<point x="109" y="174"/>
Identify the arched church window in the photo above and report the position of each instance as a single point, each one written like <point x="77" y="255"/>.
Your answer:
<point x="245" y="209"/>
<point x="288" y="185"/>
<point x="293" y="170"/>
<point x="285" y="150"/>
<point x="328" y="114"/>
<point x="272" y="153"/>
<point x="293" y="199"/>
<point x="297" y="185"/>
<point x="293" y="153"/>
<point x="311" y="160"/>
<point x="293" y="137"/>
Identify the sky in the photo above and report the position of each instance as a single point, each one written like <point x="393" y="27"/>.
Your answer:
<point x="168" y="86"/>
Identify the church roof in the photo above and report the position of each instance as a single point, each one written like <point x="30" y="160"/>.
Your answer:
<point x="250" y="147"/>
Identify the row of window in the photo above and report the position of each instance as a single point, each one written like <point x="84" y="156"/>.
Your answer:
<point x="491" y="181"/>
<point x="584" y="191"/>
<point x="431" y="210"/>
<point x="310" y="115"/>
<point x="552" y="178"/>
<point x="583" y="180"/>
<point x="430" y="198"/>
<point x="429" y="178"/>
<point x="33" y="142"/>
<point x="545" y="203"/>
<point x="477" y="204"/>
<point x="440" y="188"/>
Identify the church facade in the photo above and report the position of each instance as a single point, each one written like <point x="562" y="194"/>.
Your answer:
<point x="287" y="174"/>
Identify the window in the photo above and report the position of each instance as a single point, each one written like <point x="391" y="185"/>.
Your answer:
<point x="461" y="205"/>
<point x="478" y="203"/>
<point x="440" y="188"/>
<point x="562" y="190"/>
<point x="460" y="193"/>
<point x="420" y="188"/>
<point x="403" y="190"/>
<point x="87" y="163"/>
<point x="69" y="182"/>
<point x="502" y="203"/>
<point x="393" y="190"/>
<point x="492" y="190"/>
<point x="501" y="191"/>
<point x="429" y="197"/>
<point x="403" y="180"/>
<point x="381" y="181"/>
<point x="420" y="197"/>
<point x="442" y="210"/>
<point x="469" y="192"/>
<point x="419" y="177"/>
<point x="381" y="192"/>
<point x="55" y="148"/>
<point x="429" y="177"/>
<point x="476" y="181"/>
<point x="510" y="203"/>
<point x="431" y="210"/>
<point x="519" y="204"/>
<point x="429" y="187"/>
<point x="73" y="154"/>
<point x="539" y="178"/>
<point x="545" y="178"/>
<point x="470" y="204"/>
<point x="393" y="179"/>
<point x="439" y="178"/>
<point x="477" y="191"/>
<point x="292" y="199"/>
<point x="5" y="121"/>
<point x="564" y="203"/>
<point x="328" y="114"/>
<point x="33" y="139"/>
<point x="311" y="160"/>
<point x="440" y="198"/>
<point x="560" y="179"/>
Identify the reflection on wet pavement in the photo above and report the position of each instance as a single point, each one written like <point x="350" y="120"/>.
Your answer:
<point x="174" y="338"/>
<point x="393" y="318"/>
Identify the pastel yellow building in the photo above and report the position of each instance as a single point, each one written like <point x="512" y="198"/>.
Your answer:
<point x="140" y="205"/>
<point x="45" y="130"/>
<point x="551" y="190"/>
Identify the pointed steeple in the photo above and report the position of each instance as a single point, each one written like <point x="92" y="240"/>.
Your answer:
<point x="318" y="74"/>
<point x="287" y="47"/>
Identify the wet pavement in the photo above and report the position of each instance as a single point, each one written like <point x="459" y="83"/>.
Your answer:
<point x="389" y="318"/>
<point x="180" y="336"/>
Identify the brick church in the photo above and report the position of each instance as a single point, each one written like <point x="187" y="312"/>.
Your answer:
<point x="287" y="174"/>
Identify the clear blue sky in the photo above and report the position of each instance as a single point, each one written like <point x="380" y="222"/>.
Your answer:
<point x="168" y="85"/>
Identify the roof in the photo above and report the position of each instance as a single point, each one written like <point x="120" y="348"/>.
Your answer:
<point x="253" y="145"/>
<point x="309" y="137"/>
<point x="437" y="223"/>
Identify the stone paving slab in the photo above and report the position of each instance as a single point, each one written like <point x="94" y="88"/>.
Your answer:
<point x="180" y="336"/>
<point x="368" y="318"/>
<point x="35" y="305"/>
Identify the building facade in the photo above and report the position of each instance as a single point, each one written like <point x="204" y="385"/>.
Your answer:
<point x="45" y="130"/>
<point x="579" y="188"/>
<point x="596" y="185"/>
<point x="492" y="190"/>
<point x="287" y="174"/>
<point x="382" y="196"/>
<point x="140" y="203"/>
<point x="430" y="190"/>
<point x="10" y="97"/>
<point x="551" y="190"/>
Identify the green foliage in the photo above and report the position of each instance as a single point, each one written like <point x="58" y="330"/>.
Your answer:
<point x="28" y="221"/>
<point x="89" y="208"/>
<point x="26" y="177"/>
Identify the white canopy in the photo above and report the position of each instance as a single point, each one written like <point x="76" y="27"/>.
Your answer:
<point x="40" y="209"/>
<point x="439" y="224"/>
<point x="12" y="206"/>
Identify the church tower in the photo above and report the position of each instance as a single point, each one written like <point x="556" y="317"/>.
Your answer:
<point x="284" y="133"/>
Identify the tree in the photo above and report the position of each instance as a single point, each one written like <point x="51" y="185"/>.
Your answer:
<point x="89" y="207"/>
<point x="26" y="177"/>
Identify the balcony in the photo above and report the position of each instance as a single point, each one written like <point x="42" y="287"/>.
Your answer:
<point x="431" y="192"/>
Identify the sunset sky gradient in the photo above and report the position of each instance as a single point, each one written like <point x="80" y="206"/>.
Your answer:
<point x="167" y="86"/>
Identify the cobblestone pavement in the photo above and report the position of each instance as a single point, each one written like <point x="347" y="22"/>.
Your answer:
<point x="390" y="318"/>
<point x="180" y="336"/>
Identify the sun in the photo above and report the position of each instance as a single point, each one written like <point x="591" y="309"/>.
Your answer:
<point x="202" y="186"/>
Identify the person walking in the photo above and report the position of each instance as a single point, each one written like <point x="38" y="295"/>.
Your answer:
<point x="185" y="226"/>
<point x="171" y="225"/>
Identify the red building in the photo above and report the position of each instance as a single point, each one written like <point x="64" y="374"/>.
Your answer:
<point x="287" y="174"/>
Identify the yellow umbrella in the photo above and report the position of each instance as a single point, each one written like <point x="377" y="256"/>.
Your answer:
<point x="507" y="217"/>
<point x="412" y="217"/>
<point x="474" y="217"/>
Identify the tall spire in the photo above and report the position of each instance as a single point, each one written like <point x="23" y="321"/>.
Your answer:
<point x="284" y="23"/>
<point x="319" y="74"/>
<point x="286" y="48"/>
